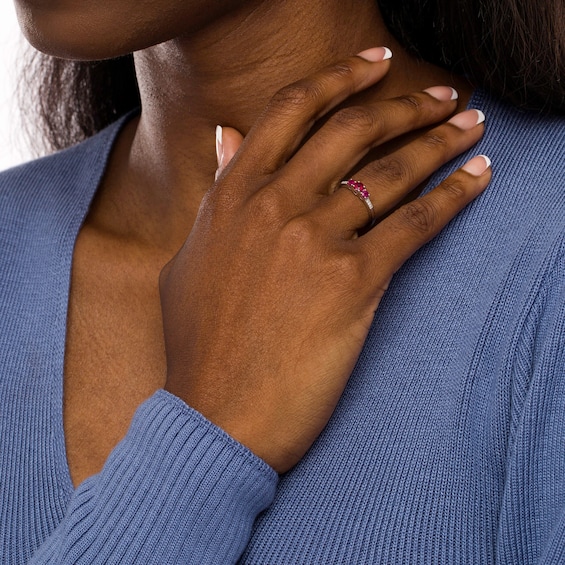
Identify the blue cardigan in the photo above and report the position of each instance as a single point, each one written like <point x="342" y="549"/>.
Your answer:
<point x="447" y="447"/>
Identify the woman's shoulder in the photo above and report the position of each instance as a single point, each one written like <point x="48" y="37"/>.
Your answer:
<point x="528" y="143"/>
<point x="527" y="191"/>
<point x="508" y="115"/>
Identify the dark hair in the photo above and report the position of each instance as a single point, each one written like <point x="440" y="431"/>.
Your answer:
<point x="75" y="99"/>
<point x="514" y="49"/>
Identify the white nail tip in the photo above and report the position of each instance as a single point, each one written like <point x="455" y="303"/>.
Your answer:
<point x="454" y="94"/>
<point x="481" y="118"/>
<point x="477" y="165"/>
<point x="388" y="54"/>
<point x="487" y="160"/>
<point x="219" y="144"/>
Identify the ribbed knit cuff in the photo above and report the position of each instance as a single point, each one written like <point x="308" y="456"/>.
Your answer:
<point x="177" y="489"/>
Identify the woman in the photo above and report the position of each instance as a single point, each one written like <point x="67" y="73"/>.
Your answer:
<point x="438" y="441"/>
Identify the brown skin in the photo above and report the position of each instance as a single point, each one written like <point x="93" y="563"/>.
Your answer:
<point x="268" y="303"/>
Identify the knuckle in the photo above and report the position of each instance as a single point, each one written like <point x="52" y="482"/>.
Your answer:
<point x="266" y="206"/>
<point x="410" y="102"/>
<point x="393" y="171"/>
<point x="454" y="188"/>
<point x="347" y="264"/>
<point x="346" y="269"/>
<point x="434" y="141"/>
<point x="419" y="216"/>
<point x="300" y="232"/>
<point x="299" y="95"/>
<point x="358" y="120"/>
<point x="342" y="70"/>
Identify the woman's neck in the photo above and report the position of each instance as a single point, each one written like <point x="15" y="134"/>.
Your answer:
<point x="225" y="74"/>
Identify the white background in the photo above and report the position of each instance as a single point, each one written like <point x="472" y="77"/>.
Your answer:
<point x="13" y="147"/>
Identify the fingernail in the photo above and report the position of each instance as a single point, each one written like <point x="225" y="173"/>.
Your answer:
<point x="375" y="54"/>
<point x="477" y="165"/>
<point x="468" y="119"/>
<point x="443" y="93"/>
<point x="219" y="150"/>
<point x="219" y="145"/>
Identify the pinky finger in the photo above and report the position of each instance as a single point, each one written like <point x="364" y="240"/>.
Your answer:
<point x="393" y="241"/>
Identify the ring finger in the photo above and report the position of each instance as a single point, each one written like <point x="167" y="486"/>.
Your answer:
<point x="390" y="179"/>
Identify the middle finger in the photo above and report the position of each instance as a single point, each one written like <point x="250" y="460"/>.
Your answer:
<point x="353" y="131"/>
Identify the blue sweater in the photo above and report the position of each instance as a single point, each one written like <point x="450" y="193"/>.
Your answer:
<point x="447" y="447"/>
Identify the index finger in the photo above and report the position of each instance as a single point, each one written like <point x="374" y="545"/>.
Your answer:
<point x="293" y="110"/>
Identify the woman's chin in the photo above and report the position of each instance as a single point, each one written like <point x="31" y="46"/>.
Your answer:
<point x="70" y="36"/>
<point x="103" y="29"/>
<point x="65" y="48"/>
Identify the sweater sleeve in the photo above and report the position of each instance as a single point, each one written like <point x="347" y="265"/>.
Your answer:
<point x="177" y="489"/>
<point x="532" y="518"/>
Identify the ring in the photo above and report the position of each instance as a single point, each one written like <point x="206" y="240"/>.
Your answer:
<point x="358" y="189"/>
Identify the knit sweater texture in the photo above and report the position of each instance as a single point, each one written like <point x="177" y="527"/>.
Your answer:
<point x="447" y="446"/>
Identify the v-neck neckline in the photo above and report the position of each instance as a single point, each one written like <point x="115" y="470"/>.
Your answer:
<point x="103" y="145"/>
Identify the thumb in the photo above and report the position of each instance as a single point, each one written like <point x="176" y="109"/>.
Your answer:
<point x="228" y="141"/>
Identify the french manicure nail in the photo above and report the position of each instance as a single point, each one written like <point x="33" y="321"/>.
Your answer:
<point x="477" y="165"/>
<point x="468" y="119"/>
<point x="376" y="54"/>
<point x="443" y="93"/>
<point x="219" y="145"/>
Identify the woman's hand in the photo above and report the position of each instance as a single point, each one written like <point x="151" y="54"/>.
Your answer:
<point x="267" y="305"/>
